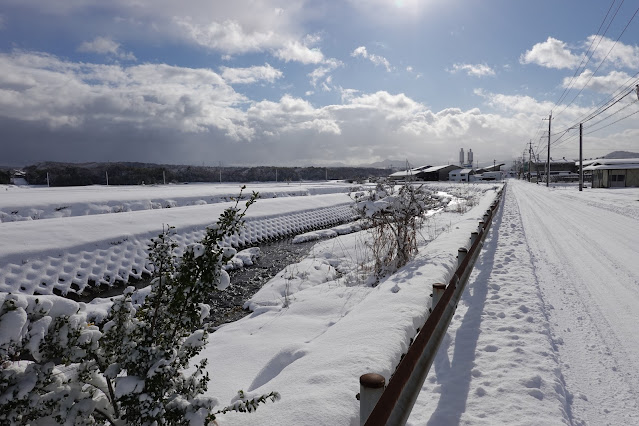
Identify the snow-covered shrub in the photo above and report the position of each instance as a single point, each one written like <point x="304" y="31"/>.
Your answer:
<point x="56" y="366"/>
<point x="394" y="215"/>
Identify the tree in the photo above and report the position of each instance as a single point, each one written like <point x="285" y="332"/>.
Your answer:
<point x="130" y="368"/>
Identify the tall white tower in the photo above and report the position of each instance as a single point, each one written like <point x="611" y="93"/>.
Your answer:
<point x="461" y="157"/>
<point x="470" y="157"/>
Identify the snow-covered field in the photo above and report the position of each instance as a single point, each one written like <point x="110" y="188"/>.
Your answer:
<point x="67" y="248"/>
<point x="545" y="334"/>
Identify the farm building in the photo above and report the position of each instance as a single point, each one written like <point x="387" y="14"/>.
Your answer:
<point x="410" y="174"/>
<point x="613" y="173"/>
<point x="436" y="173"/>
<point x="427" y="173"/>
<point x="461" y="175"/>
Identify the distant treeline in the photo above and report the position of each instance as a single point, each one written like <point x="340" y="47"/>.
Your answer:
<point x="5" y="177"/>
<point x="66" y="174"/>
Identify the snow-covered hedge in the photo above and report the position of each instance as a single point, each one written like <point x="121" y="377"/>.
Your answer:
<point x="58" y="366"/>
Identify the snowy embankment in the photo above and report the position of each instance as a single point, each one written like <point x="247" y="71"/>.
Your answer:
<point x="19" y="203"/>
<point x="67" y="253"/>
<point x="318" y="325"/>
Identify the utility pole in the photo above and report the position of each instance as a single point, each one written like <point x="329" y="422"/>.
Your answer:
<point x="530" y="161"/>
<point x="164" y="177"/>
<point x="107" y="177"/>
<point x="581" y="160"/>
<point x="48" y="185"/>
<point x="548" y="159"/>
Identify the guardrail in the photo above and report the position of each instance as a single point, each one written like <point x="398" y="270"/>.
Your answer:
<point x="392" y="405"/>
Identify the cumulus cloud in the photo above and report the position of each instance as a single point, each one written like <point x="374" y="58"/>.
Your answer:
<point x="230" y="37"/>
<point x="323" y="70"/>
<point x="476" y="70"/>
<point x="192" y="113"/>
<point x="616" y="53"/>
<point x="376" y="59"/>
<point x="552" y="53"/>
<point x="603" y="84"/>
<point x="44" y="88"/>
<point x="106" y="46"/>
<point x="291" y="114"/>
<point x="293" y="50"/>
<point x="251" y="74"/>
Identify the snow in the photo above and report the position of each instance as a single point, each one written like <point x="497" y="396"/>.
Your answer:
<point x="544" y="334"/>
<point x="67" y="253"/>
<point x="19" y="203"/>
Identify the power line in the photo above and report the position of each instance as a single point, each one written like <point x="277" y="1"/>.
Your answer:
<point x="605" y="57"/>
<point x="577" y="71"/>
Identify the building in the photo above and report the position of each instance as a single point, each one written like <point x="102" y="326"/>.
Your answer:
<point x="436" y="173"/>
<point x="613" y="173"/>
<point x="461" y="175"/>
<point x="410" y="174"/>
<point x="560" y="170"/>
<point x="424" y="173"/>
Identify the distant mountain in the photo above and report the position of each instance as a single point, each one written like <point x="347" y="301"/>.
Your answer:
<point x="622" y="154"/>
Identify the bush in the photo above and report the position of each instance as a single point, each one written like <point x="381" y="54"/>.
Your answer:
<point x="394" y="215"/>
<point x="129" y="369"/>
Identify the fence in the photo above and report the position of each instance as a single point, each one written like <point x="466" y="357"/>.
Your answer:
<point x="392" y="405"/>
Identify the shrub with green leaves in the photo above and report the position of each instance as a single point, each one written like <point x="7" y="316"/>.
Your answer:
<point x="131" y="368"/>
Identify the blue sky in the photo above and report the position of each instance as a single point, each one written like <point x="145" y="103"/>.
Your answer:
<point x="313" y="83"/>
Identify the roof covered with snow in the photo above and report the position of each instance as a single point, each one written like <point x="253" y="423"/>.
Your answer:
<point x="409" y="172"/>
<point x="438" y="168"/>
<point x="619" y="166"/>
<point x="610" y="162"/>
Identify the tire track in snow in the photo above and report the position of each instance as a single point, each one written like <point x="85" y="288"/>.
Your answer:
<point x="593" y="288"/>
<point x="497" y="364"/>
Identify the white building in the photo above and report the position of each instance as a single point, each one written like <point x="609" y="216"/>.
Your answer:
<point x="461" y="175"/>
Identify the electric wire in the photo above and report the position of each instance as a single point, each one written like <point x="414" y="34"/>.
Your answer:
<point x="573" y="79"/>
<point x="605" y="57"/>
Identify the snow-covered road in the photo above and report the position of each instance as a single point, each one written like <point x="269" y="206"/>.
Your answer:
<point x="547" y="330"/>
<point x="586" y="258"/>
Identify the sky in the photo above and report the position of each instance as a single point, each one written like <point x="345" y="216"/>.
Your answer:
<point x="297" y="83"/>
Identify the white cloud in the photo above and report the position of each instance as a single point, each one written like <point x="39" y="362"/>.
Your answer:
<point x="291" y="115"/>
<point x="106" y="46"/>
<point x="475" y="70"/>
<point x="293" y="50"/>
<point x="322" y="71"/>
<point x="616" y="54"/>
<point x="376" y="59"/>
<point x="230" y="37"/>
<point x="552" y="53"/>
<point x="43" y="88"/>
<point x="251" y="74"/>
<point x="603" y="84"/>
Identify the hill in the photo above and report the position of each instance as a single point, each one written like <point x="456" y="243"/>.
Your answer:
<point x="124" y="173"/>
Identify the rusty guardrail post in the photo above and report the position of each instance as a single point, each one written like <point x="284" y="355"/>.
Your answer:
<point x="473" y="237"/>
<point x="438" y="291"/>
<point x="461" y="255"/>
<point x="371" y="387"/>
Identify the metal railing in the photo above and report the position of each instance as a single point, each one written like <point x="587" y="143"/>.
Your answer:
<point x="392" y="405"/>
